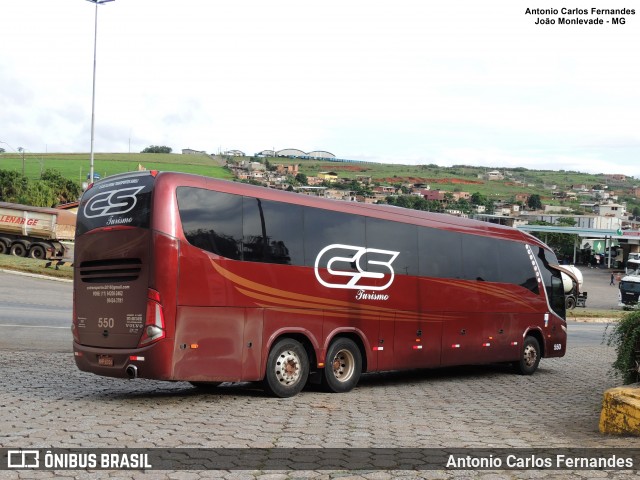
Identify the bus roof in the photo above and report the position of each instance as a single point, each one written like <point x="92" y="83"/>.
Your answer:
<point x="171" y="180"/>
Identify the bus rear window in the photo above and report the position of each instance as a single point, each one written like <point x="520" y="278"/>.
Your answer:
<point x="123" y="200"/>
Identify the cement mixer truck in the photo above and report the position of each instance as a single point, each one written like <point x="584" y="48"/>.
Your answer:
<point x="572" y="281"/>
<point x="37" y="232"/>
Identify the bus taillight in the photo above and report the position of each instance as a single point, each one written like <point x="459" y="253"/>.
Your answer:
<point x="154" y="326"/>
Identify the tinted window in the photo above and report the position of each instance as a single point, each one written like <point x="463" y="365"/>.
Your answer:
<point x="516" y="266"/>
<point x="324" y="228"/>
<point x="552" y="281"/>
<point x="394" y="237"/>
<point x="120" y="201"/>
<point x="630" y="287"/>
<point x="212" y="220"/>
<point x="272" y="232"/>
<point x="440" y="253"/>
<point x="480" y="258"/>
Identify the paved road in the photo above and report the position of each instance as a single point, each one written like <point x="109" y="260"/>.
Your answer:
<point x="35" y="313"/>
<point x="601" y="295"/>
<point x="46" y="402"/>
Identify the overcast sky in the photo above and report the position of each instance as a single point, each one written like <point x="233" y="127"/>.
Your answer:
<point x="395" y="81"/>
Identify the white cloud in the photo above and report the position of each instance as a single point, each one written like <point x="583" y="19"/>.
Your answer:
<point x="457" y="82"/>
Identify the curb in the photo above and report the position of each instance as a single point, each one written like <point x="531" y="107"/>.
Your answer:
<point x="621" y="411"/>
<point x="592" y="319"/>
<point x="36" y="275"/>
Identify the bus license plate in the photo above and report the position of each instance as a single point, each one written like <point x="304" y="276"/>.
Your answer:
<point x="105" y="361"/>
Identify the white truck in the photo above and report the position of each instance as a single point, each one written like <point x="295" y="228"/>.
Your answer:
<point x="574" y="296"/>
<point x="629" y="292"/>
<point x="632" y="266"/>
<point x="37" y="232"/>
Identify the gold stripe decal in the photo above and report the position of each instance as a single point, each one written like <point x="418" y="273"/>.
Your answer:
<point x="287" y="299"/>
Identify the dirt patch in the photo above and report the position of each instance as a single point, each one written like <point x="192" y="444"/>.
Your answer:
<point x="452" y="181"/>
<point x="343" y="168"/>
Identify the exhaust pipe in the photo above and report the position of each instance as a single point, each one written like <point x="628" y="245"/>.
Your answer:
<point x="132" y="372"/>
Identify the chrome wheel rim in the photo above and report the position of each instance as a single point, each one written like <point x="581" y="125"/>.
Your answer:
<point x="288" y="368"/>
<point x="343" y="365"/>
<point x="530" y="356"/>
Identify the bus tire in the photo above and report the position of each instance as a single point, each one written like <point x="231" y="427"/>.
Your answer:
<point x="287" y="368"/>
<point x="530" y="356"/>
<point x="18" y="249"/>
<point x="343" y="366"/>
<point x="38" y="252"/>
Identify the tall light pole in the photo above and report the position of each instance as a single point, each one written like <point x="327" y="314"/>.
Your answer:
<point x="93" y="93"/>
<point x="21" y="150"/>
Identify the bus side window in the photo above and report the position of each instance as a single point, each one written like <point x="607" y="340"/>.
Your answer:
<point x="211" y="220"/>
<point x="440" y="253"/>
<point x="272" y="232"/>
<point x="515" y="265"/>
<point x="480" y="258"/>
<point x="393" y="237"/>
<point x="324" y="228"/>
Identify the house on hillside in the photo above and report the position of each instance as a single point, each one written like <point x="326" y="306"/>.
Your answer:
<point x="330" y="177"/>
<point x="188" y="151"/>
<point x="610" y="210"/>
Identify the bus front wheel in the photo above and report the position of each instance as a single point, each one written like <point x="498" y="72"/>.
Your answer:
<point x="287" y="368"/>
<point x="530" y="356"/>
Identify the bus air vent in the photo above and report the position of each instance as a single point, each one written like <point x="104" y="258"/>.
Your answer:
<point x="108" y="271"/>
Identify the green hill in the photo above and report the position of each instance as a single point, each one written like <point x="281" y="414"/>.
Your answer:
<point x="457" y="178"/>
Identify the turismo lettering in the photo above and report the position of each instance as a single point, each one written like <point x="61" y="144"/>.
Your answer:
<point x="363" y="295"/>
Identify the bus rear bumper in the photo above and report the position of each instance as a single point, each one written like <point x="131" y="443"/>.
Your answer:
<point x="153" y="361"/>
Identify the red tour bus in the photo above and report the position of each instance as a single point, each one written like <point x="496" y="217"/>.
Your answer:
<point x="185" y="278"/>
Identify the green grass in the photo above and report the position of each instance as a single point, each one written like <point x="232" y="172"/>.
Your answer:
<point x="592" y="313"/>
<point x="29" y="265"/>
<point x="76" y="166"/>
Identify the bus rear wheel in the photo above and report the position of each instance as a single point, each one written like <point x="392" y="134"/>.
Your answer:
<point x="343" y="366"/>
<point x="530" y="357"/>
<point x="287" y="368"/>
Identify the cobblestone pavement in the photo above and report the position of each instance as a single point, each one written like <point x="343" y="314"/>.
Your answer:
<point x="46" y="402"/>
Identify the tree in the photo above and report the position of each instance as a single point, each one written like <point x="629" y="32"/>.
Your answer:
<point x="302" y="179"/>
<point x="38" y="194"/>
<point x="12" y="184"/>
<point x="65" y="190"/>
<point x="534" y="202"/>
<point x="561" y="243"/>
<point x="157" y="149"/>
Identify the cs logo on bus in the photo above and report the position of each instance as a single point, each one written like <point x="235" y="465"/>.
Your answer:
<point x="346" y="267"/>
<point x="114" y="202"/>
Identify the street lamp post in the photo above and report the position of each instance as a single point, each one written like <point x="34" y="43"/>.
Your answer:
<point x="93" y="93"/>
<point x="21" y="150"/>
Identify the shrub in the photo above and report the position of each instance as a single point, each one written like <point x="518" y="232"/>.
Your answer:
<point x="625" y="338"/>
